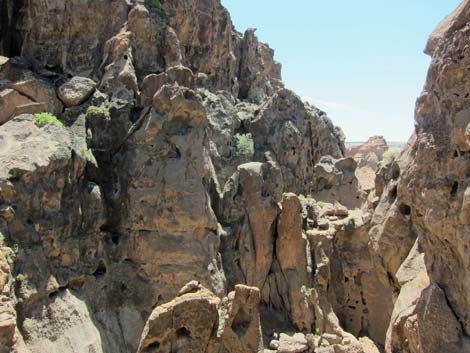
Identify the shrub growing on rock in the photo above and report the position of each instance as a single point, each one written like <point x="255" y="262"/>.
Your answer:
<point x="43" y="119"/>
<point x="156" y="7"/>
<point x="391" y="154"/>
<point x="244" y="148"/>
<point x="96" y="111"/>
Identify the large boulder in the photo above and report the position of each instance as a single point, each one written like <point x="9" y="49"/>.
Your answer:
<point x="334" y="180"/>
<point x="76" y="90"/>
<point x="9" y="101"/>
<point x="184" y="324"/>
<point x="200" y="322"/>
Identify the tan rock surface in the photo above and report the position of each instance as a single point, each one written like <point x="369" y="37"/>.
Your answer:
<point x="76" y="91"/>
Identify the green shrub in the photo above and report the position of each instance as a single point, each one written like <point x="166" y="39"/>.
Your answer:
<point x="43" y="119"/>
<point x="156" y="7"/>
<point x="15" y="248"/>
<point x="391" y="154"/>
<point x="244" y="147"/>
<point x="97" y="111"/>
<point x="316" y="331"/>
<point x="20" y="277"/>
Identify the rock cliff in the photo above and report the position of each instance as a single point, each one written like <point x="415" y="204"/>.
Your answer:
<point x="161" y="191"/>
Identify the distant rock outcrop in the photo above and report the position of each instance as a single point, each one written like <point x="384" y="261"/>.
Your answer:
<point x="368" y="157"/>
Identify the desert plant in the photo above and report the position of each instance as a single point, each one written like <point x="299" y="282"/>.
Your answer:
<point x="156" y="7"/>
<point x="15" y="248"/>
<point x="316" y="331"/>
<point x="43" y="119"/>
<point x="96" y="111"/>
<point x="20" y="277"/>
<point x="244" y="147"/>
<point x="391" y="154"/>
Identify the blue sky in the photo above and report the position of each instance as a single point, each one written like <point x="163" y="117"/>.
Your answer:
<point x="360" y="61"/>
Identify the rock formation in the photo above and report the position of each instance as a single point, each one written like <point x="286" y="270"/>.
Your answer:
<point x="368" y="157"/>
<point x="161" y="191"/>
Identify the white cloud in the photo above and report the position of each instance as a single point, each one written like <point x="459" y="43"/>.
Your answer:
<point x="330" y="106"/>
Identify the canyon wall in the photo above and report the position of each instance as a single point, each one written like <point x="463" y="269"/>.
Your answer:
<point x="177" y="198"/>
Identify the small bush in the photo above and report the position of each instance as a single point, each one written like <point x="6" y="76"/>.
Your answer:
<point x="244" y="147"/>
<point x="97" y="111"/>
<point x="15" y="248"/>
<point x="316" y="331"/>
<point x="20" y="277"/>
<point x="156" y="7"/>
<point x="43" y="119"/>
<point x="391" y="154"/>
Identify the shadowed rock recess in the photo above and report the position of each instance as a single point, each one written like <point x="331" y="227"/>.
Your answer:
<point x="162" y="192"/>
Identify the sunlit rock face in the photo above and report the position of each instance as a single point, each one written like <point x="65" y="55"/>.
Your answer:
<point x="161" y="191"/>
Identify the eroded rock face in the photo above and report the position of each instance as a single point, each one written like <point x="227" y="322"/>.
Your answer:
<point x="250" y="204"/>
<point x="166" y="171"/>
<point x="198" y="321"/>
<point x="334" y="180"/>
<point x="346" y="281"/>
<point x="427" y="200"/>
<point x="291" y="252"/>
<point x="182" y="325"/>
<point x="146" y="186"/>
<point x="209" y="45"/>
<point x="297" y="135"/>
<point x="403" y="334"/>
<point x="368" y="155"/>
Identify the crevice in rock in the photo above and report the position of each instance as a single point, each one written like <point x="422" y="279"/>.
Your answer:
<point x="10" y="37"/>
<point x="100" y="270"/>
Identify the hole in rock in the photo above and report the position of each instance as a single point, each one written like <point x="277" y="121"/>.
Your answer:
<point x="115" y="239"/>
<point x="125" y="57"/>
<point x="152" y="347"/>
<point x="405" y="209"/>
<point x="59" y="290"/>
<point x="393" y="193"/>
<point x="395" y="172"/>
<point x="101" y="270"/>
<point x="455" y="188"/>
<point x="183" y="332"/>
